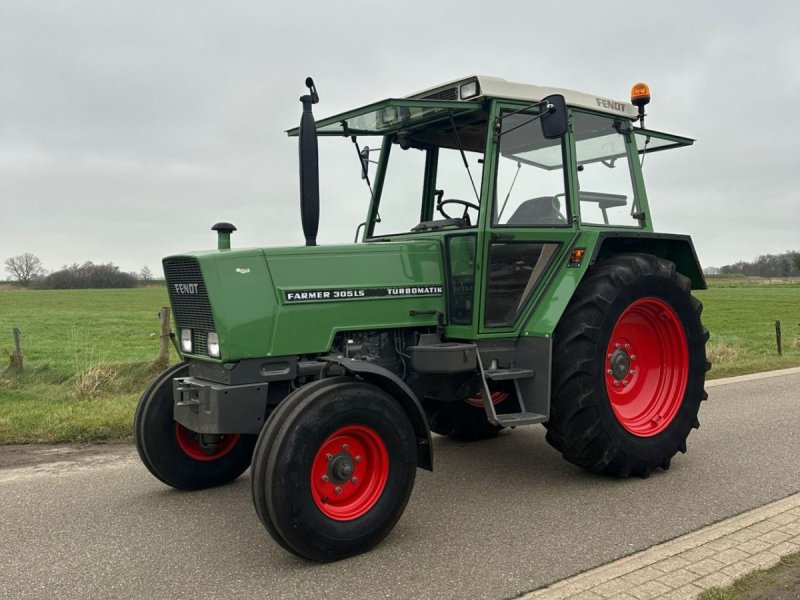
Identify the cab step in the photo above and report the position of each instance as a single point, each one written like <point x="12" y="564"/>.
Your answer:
<point x="524" y="418"/>
<point x="508" y="374"/>
<point x="528" y="407"/>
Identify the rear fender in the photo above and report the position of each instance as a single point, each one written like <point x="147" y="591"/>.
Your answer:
<point x="397" y="388"/>
<point x="672" y="247"/>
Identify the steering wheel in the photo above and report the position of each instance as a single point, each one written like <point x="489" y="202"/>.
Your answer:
<point x="464" y="203"/>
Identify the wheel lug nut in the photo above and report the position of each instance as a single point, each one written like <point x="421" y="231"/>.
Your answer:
<point x="633" y="371"/>
<point x="633" y="357"/>
<point x="617" y="346"/>
<point x="624" y="382"/>
<point x="329" y="456"/>
<point x="610" y="355"/>
<point x="616" y="382"/>
<point x="627" y="346"/>
<point x="324" y="478"/>
<point x="346" y="447"/>
<point x="359" y="459"/>
<point x="338" y="490"/>
<point x="354" y="480"/>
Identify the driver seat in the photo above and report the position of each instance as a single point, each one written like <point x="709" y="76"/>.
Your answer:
<point x="537" y="211"/>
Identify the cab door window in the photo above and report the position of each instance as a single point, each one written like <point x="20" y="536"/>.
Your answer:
<point x="530" y="185"/>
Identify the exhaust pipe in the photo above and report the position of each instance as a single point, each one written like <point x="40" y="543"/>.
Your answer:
<point x="309" y="166"/>
<point x="224" y="231"/>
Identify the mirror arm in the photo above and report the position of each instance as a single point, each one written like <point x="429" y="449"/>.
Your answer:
<point x="547" y="106"/>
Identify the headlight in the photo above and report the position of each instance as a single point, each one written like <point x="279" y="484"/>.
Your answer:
<point x="213" y="344"/>
<point x="186" y="340"/>
<point x="469" y="90"/>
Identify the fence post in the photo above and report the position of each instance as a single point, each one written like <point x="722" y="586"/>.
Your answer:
<point x="16" y="358"/>
<point x="164" y="338"/>
<point x="778" y="337"/>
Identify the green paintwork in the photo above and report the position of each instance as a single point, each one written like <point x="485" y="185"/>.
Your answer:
<point x="246" y="291"/>
<point x="247" y="288"/>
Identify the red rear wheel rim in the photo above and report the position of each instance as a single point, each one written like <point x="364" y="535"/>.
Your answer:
<point x="497" y="398"/>
<point x="646" y="367"/>
<point x="189" y="442"/>
<point x="349" y="472"/>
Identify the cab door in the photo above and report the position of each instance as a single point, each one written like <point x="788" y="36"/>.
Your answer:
<point x="528" y="222"/>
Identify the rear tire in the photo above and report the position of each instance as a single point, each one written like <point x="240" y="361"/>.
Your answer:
<point x="629" y="367"/>
<point x="465" y="420"/>
<point x="177" y="456"/>
<point x="334" y="469"/>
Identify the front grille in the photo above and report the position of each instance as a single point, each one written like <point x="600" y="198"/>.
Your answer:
<point x="445" y="94"/>
<point x="189" y="299"/>
<point x="199" y="342"/>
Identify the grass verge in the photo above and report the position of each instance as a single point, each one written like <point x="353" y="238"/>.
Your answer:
<point x="781" y="582"/>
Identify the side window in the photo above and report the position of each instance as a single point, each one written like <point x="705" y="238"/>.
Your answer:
<point x="514" y="270"/>
<point x="530" y="176"/>
<point x="605" y="185"/>
<point x="402" y="191"/>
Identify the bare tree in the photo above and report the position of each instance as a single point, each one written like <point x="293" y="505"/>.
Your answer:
<point x="145" y="274"/>
<point x="24" y="268"/>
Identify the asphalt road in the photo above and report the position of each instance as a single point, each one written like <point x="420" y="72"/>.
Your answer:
<point x="494" y="520"/>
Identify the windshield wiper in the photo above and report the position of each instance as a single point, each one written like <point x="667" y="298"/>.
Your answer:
<point x="365" y="177"/>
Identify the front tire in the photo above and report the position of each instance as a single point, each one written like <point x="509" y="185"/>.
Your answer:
<point x="333" y="471"/>
<point x="177" y="456"/>
<point x="629" y="368"/>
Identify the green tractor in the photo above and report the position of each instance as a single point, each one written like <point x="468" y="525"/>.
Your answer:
<point x="507" y="274"/>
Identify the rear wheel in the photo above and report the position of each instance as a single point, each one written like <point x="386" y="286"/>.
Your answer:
<point x="466" y="420"/>
<point x="333" y="471"/>
<point x="177" y="456"/>
<point x="628" y="368"/>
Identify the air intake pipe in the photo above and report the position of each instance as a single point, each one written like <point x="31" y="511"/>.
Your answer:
<point x="309" y="166"/>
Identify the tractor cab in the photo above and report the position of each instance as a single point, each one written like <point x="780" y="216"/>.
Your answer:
<point x="515" y="176"/>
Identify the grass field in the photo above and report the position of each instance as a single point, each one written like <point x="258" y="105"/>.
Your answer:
<point x="88" y="353"/>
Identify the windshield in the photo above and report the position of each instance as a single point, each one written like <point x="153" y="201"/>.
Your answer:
<point x="432" y="176"/>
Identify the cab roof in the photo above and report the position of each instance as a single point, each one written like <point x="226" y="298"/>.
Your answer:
<point x="496" y="87"/>
<point x="453" y="98"/>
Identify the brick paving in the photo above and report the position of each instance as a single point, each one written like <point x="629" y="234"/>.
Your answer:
<point x="683" y="568"/>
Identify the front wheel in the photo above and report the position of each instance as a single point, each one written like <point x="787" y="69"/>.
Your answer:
<point x="629" y="367"/>
<point x="332" y="473"/>
<point x="177" y="456"/>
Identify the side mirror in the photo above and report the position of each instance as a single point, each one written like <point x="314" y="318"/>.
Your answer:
<point x="554" y="120"/>
<point x="364" y="154"/>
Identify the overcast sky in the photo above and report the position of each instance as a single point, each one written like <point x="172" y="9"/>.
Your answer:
<point x="128" y="128"/>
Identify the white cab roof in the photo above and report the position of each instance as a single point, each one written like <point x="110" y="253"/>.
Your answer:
<point x="495" y="87"/>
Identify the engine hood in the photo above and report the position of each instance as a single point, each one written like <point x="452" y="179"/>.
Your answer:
<point x="293" y="300"/>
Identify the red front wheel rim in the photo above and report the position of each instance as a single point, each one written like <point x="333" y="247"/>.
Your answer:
<point x="349" y="472"/>
<point x="192" y="444"/>
<point x="646" y="367"/>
